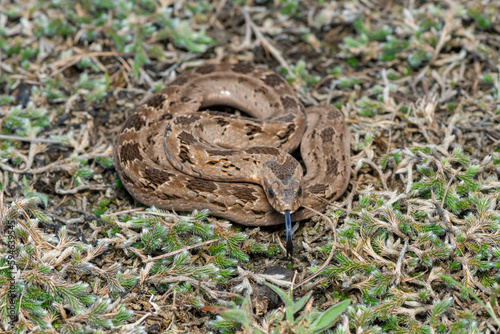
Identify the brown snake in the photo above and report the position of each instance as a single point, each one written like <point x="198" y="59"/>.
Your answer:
<point x="171" y="154"/>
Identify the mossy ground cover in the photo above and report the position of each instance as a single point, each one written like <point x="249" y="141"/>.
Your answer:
<point x="414" y="243"/>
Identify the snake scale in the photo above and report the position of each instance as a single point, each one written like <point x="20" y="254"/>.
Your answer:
<point x="174" y="153"/>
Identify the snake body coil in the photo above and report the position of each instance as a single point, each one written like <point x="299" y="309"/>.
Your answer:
<point x="171" y="155"/>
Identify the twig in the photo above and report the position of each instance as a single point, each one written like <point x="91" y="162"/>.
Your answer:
<point x="449" y="185"/>
<point x="377" y="168"/>
<point x="7" y="168"/>
<point x="67" y="165"/>
<point x="68" y="62"/>
<point x="31" y="140"/>
<point x="323" y="266"/>
<point x="181" y="250"/>
<point x="137" y="323"/>
<point x="137" y="252"/>
<point x="263" y="40"/>
<point x="322" y="215"/>
<point x="77" y="189"/>
<point x="330" y="256"/>
<point x="400" y="261"/>
<point x="31" y="156"/>
<point x="28" y="161"/>
<point x="449" y="25"/>
<point x="204" y="285"/>
<point x="122" y="212"/>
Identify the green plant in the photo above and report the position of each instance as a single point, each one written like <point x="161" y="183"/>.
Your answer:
<point x="289" y="7"/>
<point x="437" y="182"/>
<point x="311" y="320"/>
<point x="82" y="172"/>
<point x="200" y="254"/>
<point x="94" y="89"/>
<point x="25" y="122"/>
<point x="35" y="284"/>
<point x="28" y="193"/>
<point x="298" y="75"/>
<point x="368" y="107"/>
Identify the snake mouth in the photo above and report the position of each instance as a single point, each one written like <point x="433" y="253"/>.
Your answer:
<point x="288" y="226"/>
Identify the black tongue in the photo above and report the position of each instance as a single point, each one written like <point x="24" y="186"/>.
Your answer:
<point x="288" y="226"/>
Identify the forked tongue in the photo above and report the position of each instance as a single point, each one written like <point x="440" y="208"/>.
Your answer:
<point x="288" y="226"/>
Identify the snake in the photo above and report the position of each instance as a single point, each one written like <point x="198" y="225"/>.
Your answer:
<point x="183" y="149"/>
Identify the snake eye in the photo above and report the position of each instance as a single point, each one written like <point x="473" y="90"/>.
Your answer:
<point x="299" y="192"/>
<point x="271" y="193"/>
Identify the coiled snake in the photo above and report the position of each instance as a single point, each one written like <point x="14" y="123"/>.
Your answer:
<point x="172" y="153"/>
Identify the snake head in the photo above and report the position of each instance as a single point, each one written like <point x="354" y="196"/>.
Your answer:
<point x="282" y="183"/>
<point x="283" y="186"/>
<point x="285" y="197"/>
